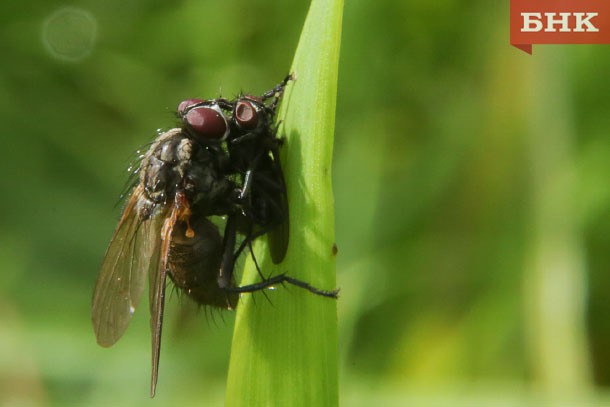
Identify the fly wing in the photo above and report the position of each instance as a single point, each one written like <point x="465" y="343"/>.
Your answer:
<point x="122" y="277"/>
<point x="157" y="293"/>
<point x="278" y="236"/>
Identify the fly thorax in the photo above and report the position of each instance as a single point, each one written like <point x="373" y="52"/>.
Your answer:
<point x="165" y="167"/>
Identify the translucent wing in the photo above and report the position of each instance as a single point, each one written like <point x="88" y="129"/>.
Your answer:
<point x="157" y="293"/>
<point x="129" y="258"/>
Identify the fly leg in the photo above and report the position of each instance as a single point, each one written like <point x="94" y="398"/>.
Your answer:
<point x="276" y="93"/>
<point x="283" y="279"/>
<point x="228" y="264"/>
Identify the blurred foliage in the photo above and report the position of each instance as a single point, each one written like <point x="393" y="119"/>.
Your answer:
<point x="473" y="232"/>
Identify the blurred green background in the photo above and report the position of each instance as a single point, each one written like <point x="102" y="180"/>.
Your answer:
<point x="472" y="202"/>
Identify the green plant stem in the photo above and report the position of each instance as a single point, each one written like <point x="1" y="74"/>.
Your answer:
<point x="284" y="351"/>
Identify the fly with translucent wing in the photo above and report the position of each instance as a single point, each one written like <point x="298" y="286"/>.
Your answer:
<point x="223" y="161"/>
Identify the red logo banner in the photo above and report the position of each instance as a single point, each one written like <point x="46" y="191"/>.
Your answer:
<point x="559" y="22"/>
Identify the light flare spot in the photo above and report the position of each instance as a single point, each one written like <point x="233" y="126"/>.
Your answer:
<point x="69" y="33"/>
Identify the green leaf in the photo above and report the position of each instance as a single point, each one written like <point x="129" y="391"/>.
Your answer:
<point x="284" y="353"/>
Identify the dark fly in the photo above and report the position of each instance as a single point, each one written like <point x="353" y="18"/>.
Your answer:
<point x="253" y="148"/>
<point x="222" y="161"/>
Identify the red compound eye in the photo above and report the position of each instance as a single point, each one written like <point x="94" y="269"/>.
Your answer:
<point x="206" y="122"/>
<point x="246" y="114"/>
<point x="184" y="105"/>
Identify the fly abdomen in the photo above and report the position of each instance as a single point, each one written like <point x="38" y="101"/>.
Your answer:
<point x="194" y="263"/>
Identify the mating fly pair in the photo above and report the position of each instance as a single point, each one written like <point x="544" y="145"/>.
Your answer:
<point x="223" y="160"/>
